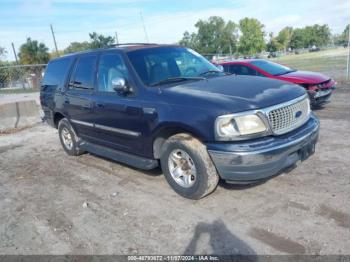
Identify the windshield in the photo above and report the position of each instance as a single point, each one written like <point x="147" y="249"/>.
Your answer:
<point x="157" y="65"/>
<point x="272" y="68"/>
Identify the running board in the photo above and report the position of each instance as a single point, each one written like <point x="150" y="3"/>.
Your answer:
<point x="131" y="160"/>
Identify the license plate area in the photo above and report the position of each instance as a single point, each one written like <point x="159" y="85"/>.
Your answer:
<point x="306" y="151"/>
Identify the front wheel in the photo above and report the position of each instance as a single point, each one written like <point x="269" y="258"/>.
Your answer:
<point x="188" y="167"/>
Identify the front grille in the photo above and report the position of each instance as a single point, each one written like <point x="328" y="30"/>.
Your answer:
<point x="286" y="117"/>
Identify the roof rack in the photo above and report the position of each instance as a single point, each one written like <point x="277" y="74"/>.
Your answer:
<point x="127" y="44"/>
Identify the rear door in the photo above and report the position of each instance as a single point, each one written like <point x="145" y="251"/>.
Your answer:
<point x="79" y="103"/>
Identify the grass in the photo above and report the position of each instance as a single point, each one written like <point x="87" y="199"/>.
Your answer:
<point x="331" y="62"/>
<point x="18" y="91"/>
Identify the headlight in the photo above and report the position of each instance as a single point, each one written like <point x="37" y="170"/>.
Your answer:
<point x="236" y="127"/>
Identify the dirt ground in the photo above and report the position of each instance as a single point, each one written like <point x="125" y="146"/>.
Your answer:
<point x="51" y="203"/>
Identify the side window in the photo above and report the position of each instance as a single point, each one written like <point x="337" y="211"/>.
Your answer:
<point x="84" y="74"/>
<point x="242" y="70"/>
<point x="227" y="68"/>
<point x="56" y="72"/>
<point x="110" y="67"/>
<point x="233" y="69"/>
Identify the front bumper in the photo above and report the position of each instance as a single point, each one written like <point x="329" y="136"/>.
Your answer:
<point x="319" y="99"/>
<point x="251" y="161"/>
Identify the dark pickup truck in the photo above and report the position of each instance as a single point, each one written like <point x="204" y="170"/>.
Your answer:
<point x="149" y="104"/>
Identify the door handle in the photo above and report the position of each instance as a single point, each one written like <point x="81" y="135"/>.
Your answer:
<point x="100" y="105"/>
<point x="87" y="107"/>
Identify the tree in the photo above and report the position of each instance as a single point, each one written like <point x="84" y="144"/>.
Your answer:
<point x="251" y="41"/>
<point x="273" y="45"/>
<point x="213" y="36"/>
<point x="343" y="38"/>
<point x="33" y="52"/>
<point x="308" y="36"/>
<point x="55" y="54"/>
<point x="76" y="47"/>
<point x="189" y="40"/>
<point x="96" y="41"/>
<point x="284" y="37"/>
<point x="324" y="34"/>
<point x="318" y="35"/>
<point x="2" y="52"/>
<point x="298" y="39"/>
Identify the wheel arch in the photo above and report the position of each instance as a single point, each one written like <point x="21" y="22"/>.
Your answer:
<point x="57" y="117"/>
<point x="166" y="131"/>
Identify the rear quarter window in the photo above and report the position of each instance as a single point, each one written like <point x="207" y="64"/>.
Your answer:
<point x="56" y="72"/>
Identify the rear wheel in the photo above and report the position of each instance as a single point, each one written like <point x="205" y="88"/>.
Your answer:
<point x="69" y="140"/>
<point x="188" y="167"/>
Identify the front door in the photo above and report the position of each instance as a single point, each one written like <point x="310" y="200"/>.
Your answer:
<point x="119" y="118"/>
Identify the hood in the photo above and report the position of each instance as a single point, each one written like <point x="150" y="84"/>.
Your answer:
<point x="234" y="93"/>
<point x="304" y="77"/>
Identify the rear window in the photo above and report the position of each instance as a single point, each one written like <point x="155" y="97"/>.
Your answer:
<point x="56" y="72"/>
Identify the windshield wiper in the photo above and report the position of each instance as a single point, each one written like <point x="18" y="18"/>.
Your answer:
<point x="209" y="72"/>
<point x="175" y="79"/>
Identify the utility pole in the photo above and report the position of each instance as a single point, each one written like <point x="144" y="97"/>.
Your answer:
<point x="348" y="65"/>
<point x="116" y="37"/>
<point x="54" y="38"/>
<point x="144" y="27"/>
<point x="15" y="54"/>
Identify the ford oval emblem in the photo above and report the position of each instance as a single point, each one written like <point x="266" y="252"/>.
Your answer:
<point x="298" y="114"/>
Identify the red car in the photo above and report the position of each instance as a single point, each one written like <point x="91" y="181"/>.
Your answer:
<point x="318" y="86"/>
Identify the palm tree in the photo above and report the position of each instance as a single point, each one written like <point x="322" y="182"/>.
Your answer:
<point x="32" y="52"/>
<point x="2" y="52"/>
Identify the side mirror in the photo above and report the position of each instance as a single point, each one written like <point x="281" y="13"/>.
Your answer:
<point x="120" y="85"/>
<point x="220" y="67"/>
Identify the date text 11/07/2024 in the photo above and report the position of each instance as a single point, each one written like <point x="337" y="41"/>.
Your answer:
<point x="174" y="258"/>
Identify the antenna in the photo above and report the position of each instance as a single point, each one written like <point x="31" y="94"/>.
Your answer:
<point x="116" y="38"/>
<point x="348" y="63"/>
<point x="144" y="27"/>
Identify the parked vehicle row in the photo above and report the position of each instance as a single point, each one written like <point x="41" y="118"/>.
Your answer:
<point x="318" y="86"/>
<point x="147" y="105"/>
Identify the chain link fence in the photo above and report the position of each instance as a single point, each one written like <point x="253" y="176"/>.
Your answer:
<point x="13" y="77"/>
<point x="331" y="61"/>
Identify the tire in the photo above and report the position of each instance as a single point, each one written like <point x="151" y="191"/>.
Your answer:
<point x="65" y="130"/>
<point x="182" y="147"/>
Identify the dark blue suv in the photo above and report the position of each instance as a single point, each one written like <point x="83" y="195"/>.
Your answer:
<point x="148" y="104"/>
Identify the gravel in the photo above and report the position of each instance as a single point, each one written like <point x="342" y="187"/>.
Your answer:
<point x="55" y="204"/>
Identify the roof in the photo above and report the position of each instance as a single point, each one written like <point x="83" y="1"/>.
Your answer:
<point x="126" y="47"/>
<point x="239" y="61"/>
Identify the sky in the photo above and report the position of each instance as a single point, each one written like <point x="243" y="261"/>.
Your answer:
<point x="165" y="21"/>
